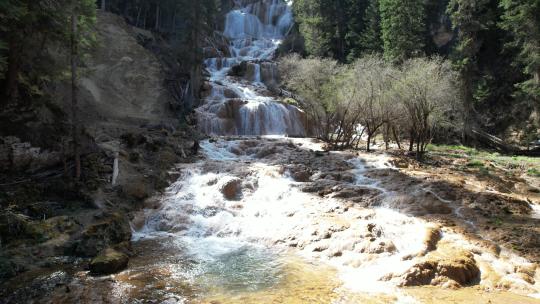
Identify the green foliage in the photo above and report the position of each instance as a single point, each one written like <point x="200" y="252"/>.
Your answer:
<point x="534" y="172"/>
<point x="475" y="157"/>
<point x="522" y="19"/>
<point x="315" y="26"/>
<point x="35" y="36"/>
<point x="475" y="163"/>
<point x="331" y="28"/>
<point x="371" y="37"/>
<point x="372" y="93"/>
<point x="403" y="28"/>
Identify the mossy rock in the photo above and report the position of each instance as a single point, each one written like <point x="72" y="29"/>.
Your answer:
<point x="110" y="230"/>
<point x="136" y="189"/>
<point x="9" y="268"/>
<point x="108" y="262"/>
<point x="167" y="158"/>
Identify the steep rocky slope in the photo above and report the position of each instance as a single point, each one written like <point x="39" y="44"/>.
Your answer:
<point x="132" y="137"/>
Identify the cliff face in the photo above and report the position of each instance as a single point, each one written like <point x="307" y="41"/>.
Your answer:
<point x="124" y="85"/>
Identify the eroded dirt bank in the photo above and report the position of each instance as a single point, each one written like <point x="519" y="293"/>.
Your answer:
<point x="279" y="221"/>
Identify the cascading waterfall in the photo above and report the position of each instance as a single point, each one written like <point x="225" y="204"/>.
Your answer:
<point x="242" y="105"/>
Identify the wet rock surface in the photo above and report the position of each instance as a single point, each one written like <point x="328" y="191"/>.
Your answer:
<point x="231" y="188"/>
<point x="108" y="261"/>
<point x="356" y="212"/>
<point x="426" y="235"/>
<point x="450" y="270"/>
<point x="110" y="230"/>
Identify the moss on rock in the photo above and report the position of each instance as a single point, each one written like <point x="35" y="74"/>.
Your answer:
<point x="108" y="261"/>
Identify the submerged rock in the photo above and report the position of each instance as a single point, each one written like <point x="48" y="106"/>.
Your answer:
<point x="109" y="261"/>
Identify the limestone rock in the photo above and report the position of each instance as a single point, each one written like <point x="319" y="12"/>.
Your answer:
<point x="432" y="237"/>
<point x="109" y="261"/>
<point x="454" y="269"/>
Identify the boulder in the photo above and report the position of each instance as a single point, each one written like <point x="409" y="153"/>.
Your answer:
<point x="108" y="261"/>
<point x="231" y="188"/>
<point x="455" y="269"/>
<point x="136" y="189"/>
<point x="110" y="230"/>
<point x="301" y="176"/>
<point x="239" y="70"/>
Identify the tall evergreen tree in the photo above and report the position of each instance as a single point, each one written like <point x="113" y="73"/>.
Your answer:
<point x="403" y="28"/>
<point x="470" y="18"/>
<point x="314" y="27"/>
<point x="371" y="38"/>
<point x="28" y="28"/>
<point x="522" y="19"/>
<point x="355" y="27"/>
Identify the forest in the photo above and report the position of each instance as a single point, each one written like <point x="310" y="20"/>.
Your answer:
<point x="270" y="151"/>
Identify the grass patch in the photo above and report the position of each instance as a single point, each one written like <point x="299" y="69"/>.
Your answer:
<point x="476" y="159"/>
<point x="475" y="164"/>
<point x="533" y="172"/>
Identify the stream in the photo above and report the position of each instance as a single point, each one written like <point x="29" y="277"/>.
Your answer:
<point x="238" y="226"/>
<point x="263" y="217"/>
<point x="243" y="225"/>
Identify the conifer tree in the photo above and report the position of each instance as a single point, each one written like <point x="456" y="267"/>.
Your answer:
<point x="403" y="28"/>
<point x="371" y="38"/>
<point x="522" y="19"/>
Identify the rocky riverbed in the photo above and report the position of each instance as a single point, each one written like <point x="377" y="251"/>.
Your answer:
<point x="275" y="220"/>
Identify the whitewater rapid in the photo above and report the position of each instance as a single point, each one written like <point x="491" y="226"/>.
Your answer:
<point x="246" y="240"/>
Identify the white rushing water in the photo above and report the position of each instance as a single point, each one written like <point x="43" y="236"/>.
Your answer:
<point x="243" y="105"/>
<point x="237" y="241"/>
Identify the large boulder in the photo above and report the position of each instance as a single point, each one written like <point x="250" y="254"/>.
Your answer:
<point x="452" y="269"/>
<point x="239" y="70"/>
<point x="110" y="230"/>
<point x="108" y="261"/>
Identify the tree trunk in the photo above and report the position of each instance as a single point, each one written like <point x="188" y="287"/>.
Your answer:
<point x="396" y="137"/>
<point x="368" y="144"/>
<point x="411" y="141"/>
<point x="74" y="92"/>
<point x="468" y="136"/>
<point x="138" y="16"/>
<point x="103" y="5"/>
<point x="386" y="137"/>
<point x="156" y="27"/>
<point x="12" y="75"/>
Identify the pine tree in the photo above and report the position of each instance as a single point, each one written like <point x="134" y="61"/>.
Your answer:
<point x="27" y="27"/>
<point x="355" y="27"/>
<point x="470" y="18"/>
<point x="371" y="38"/>
<point x="403" y="28"/>
<point x="522" y="19"/>
<point x="314" y="27"/>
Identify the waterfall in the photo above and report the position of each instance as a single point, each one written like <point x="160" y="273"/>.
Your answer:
<point x="255" y="31"/>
